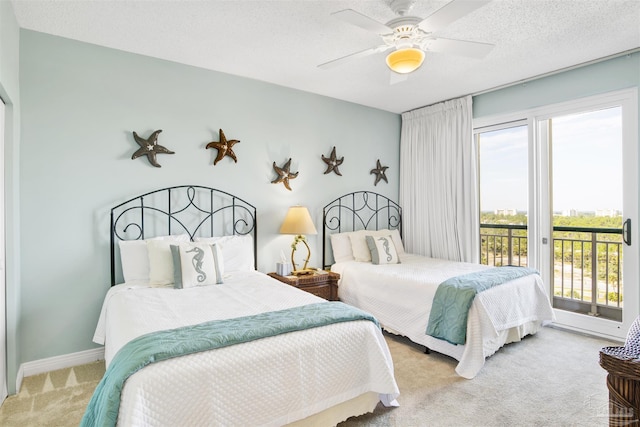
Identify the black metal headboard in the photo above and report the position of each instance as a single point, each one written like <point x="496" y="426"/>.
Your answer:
<point x="361" y="210"/>
<point x="187" y="209"/>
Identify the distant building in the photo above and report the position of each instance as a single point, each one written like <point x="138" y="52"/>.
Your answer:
<point x="506" y="212"/>
<point x="569" y="212"/>
<point x="608" y="212"/>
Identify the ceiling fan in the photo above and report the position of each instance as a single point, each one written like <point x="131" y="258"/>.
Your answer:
<point x="410" y="36"/>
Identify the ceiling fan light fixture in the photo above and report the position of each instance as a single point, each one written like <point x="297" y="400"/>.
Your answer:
<point x="404" y="61"/>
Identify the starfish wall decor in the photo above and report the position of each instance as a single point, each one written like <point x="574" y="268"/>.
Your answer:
<point x="149" y="147"/>
<point x="332" y="162"/>
<point x="379" y="171"/>
<point x="224" y="147"/>
<point x="284" y="175"/>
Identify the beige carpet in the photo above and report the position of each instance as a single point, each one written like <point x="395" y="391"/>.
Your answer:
<point x="56" y="398"/>
<point x="550" y="379"/>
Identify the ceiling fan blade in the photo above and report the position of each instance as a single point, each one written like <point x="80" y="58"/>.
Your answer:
<point x="362" y="21"/>
<point x="362" y="53"/>
<point x="450" y="12"/>
<point x="459" y="47"/>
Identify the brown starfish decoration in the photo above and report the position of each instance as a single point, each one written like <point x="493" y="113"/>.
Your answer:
<point x="284" y="175"/>
<point x="224" y="147"/>
<point x="379" y="171"/>
<point x="149" y="147"/>
<point x="332" y="162"/>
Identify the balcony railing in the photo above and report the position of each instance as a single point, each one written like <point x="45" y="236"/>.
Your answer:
<point x="507" y="245"/>
<point x="587" y="264"/>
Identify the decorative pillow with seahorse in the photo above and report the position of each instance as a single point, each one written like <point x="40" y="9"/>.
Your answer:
<point x="382" y="249"/>
<point x="196" y="264"/>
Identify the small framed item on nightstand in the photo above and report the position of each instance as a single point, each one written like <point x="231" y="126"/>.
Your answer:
<point x="321" y="283"/>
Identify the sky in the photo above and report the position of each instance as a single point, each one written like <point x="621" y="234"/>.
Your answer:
<point x="586" y="155"/>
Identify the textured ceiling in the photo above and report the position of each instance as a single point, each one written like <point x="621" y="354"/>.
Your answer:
<point x="283" y="42"/>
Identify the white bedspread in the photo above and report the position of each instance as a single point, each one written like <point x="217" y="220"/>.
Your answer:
<point x="272" y="381"/>
<point x="401" y="295"/>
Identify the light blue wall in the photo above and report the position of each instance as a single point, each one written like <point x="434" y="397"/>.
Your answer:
<point x="602" y="77"/>
<point x="10" y="93"/>
<point x="81" y="102"/>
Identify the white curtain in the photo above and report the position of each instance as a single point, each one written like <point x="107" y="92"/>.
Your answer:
<point x="438" y="181"/>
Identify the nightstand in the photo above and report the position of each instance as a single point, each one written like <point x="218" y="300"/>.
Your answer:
<point x="323" y="283"/>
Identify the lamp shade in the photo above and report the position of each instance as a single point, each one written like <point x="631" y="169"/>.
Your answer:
<point x="405" y="60"/>
<point x="298" y="221"/>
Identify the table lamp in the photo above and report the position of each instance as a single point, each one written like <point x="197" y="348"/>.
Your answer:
<point x="298" y="222"/>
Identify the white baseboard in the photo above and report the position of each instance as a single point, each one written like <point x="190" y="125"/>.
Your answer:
<point x="57" y="362"/>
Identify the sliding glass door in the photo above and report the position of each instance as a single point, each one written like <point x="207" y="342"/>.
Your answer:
<point x="503" y="168"/>
<point x="591" y="149"/>
<point x="581" y="190"/>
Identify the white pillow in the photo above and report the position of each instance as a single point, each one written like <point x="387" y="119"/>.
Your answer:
<point x="160" y="262"/>
<point x="134" y="256"/>
<point x="134" y="259"/>
<point x="397" y="240"/>
<point x="237" y="251"/>
<point x="359" y="246"/>
<point x="341" y="247"/>
<point x="383" y="250"/>
<point x="196" y="264"/>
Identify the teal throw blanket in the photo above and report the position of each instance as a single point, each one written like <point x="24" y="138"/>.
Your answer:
<point x="453" y="298"/>
<point x="154" y="347"/>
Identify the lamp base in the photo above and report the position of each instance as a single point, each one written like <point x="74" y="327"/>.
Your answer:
<point x="304" y="272"/>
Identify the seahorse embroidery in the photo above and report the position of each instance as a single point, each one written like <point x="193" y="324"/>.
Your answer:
<point x="197" y="263"/>
<point x="385" y="245"/>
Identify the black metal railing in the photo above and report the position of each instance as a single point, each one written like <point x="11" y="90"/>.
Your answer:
<point x="587" y="264"/>
<point x="505" y="243"/>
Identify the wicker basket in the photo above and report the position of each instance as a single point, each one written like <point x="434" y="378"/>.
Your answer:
<point x="623" y="379"/>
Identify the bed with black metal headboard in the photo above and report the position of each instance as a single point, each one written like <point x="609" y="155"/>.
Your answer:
<point x="360" y="210"/>
<point x="194" y="210"/>
<point x="378" y="276"/>
<point x="224" y="332"/>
